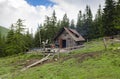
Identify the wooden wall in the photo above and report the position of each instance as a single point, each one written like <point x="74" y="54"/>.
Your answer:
<point x="69" y="40"/>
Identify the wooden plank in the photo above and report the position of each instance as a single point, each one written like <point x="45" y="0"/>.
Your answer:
<point x="38" y="62"/>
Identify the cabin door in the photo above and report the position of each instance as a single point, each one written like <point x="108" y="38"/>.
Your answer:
<point x="63" y="43"/>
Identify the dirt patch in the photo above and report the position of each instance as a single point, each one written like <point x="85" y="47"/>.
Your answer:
<point x="82" y="57"/>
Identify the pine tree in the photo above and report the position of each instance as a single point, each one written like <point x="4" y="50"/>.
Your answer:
<point x="36" y="39"/>
<point x="50" y="26"/>
<point x="58" y="26"/>
<point x="65" y="21"/>
<point x="53" y="27"/>
<point x="48" y="29"/>
<point x="40" y="36"/>
<point x="108" y="17"/>
<point x="10" y="36"/>
<point x="98" y="27"/>
<point x="28" y="38"/>
<point x="19" y="26"/>
<point x="15" y="39"/>
<point x="79" y="22"/>
<point x="117" y="17"/>
<point x="11" y="47"/>
<point x="72" y="25"/>
<point x="87" y="24"/>
<point x="2" y="45"/>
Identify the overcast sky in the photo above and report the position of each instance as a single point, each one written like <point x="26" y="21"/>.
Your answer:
<point x="34" y="11"/>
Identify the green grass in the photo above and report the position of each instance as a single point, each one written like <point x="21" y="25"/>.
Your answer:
<point x="104" y="66"/>
<point x="107" y="66"/>
<point x="91" y="46"/>
<point x="96" y="46"/>
<point x="3" y="31"/>
<point x="14" y="63"/>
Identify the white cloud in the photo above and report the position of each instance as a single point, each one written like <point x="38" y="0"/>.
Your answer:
<point x="71" y="7"/>
<point x="11" y="10"/>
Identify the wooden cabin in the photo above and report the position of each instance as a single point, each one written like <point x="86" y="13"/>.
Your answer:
<point x="67" y="37"/>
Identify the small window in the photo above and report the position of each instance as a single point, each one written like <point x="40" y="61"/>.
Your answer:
<point x="76" y="35"/>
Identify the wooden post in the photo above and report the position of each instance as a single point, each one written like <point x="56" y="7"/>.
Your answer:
<point x="58" y="53"/>
<point x="87" y="45"/>
<point x="105" y="45"/>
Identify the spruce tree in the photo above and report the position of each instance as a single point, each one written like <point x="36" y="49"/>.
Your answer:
<point x="72" y="25"/>
<point x="65" y="21"/>
<point x="87" y="24"/>
<point x="15" y="39"/>
<point x="28" y="38"/>
<point x="53" y="27"/>
<point x="40" y="36"/>
<point x="117" y="17"/>
<point x="2" y="45"/>
<point x="108" y="17"/>
<point x="19" y="26"/>
<point x="79" y="22"/>
<point x="98" y="25"/>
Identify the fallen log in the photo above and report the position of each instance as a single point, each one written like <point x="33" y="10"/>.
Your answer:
<point x="36" y="63"/>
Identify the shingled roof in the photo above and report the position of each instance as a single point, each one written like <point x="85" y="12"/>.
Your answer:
<point x="73" y="33"/>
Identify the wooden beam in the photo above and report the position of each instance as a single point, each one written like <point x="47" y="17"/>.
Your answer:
<point x="36" y="63"/>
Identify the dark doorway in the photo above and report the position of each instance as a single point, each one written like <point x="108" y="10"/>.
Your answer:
<point x="63" y="43"/>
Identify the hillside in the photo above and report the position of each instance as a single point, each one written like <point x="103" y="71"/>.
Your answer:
<point x="89" y="62"/>
<point x="3" y="30"/>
